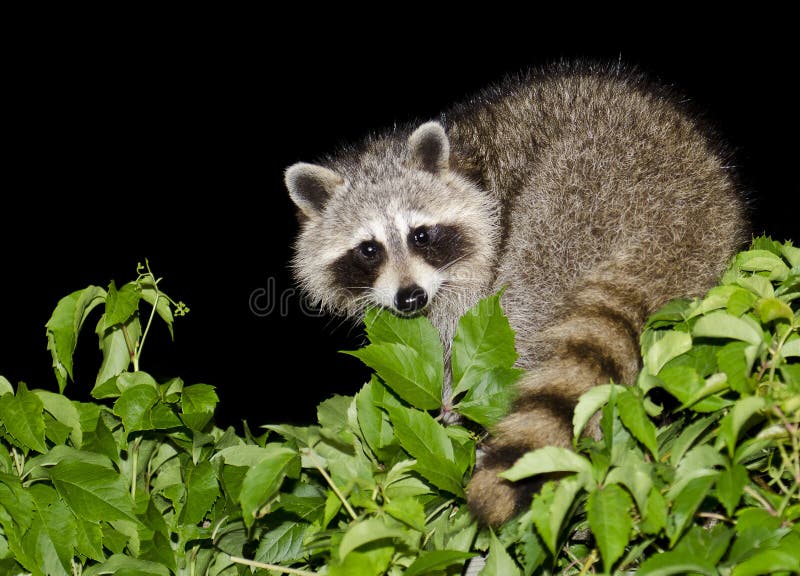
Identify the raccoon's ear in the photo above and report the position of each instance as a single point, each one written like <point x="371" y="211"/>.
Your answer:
<point x="310" y="186"/>
<point x="429" y="148"/>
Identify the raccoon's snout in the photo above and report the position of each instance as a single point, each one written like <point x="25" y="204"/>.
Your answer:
<point x="410" y="299"/>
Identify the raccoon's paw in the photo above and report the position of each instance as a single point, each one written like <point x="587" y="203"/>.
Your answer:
<point x="494" y="500"/>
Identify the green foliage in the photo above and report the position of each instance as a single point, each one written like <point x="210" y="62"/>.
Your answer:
<point x="697" y="469"/>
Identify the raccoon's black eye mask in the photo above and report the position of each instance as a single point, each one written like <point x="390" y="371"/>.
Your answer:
<point x="439" y="245"/>
<point x="359" y="268"/>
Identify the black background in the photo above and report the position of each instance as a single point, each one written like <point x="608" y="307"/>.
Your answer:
<point x="169" y="143"/>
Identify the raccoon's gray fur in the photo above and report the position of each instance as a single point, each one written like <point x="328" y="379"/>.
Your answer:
<point x="584" y="189"/>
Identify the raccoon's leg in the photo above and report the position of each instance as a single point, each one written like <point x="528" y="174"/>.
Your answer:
<point x="595" y="340"/>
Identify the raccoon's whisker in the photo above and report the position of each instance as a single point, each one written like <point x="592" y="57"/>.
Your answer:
<point x="450" y="263"/>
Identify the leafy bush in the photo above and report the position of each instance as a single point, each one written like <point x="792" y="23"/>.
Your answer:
<point x="697" y="469"/>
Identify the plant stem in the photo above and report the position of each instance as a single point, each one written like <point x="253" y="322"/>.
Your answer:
<point x="756" y="496"/>
<point x="777" y="351"/>
<point x="131" y="348"/>
<point x="253" y="563"/>
<point x="134" y="464"/>
<point x="18" y="464"/>
<point x="433" y="514"/>
<point x="333" y="486"/>
<point x="589" y="562"/>
<point x="147" y="326"/>
<point x="714" y="516"/>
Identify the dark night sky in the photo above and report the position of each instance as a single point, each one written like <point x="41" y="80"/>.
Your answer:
<point x="171" y="144"/>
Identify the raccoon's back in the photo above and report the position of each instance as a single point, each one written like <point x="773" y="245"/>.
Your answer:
<point x="601" y="174"/>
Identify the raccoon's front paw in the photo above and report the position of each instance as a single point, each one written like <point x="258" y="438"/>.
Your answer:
<point x="494" y="500"/>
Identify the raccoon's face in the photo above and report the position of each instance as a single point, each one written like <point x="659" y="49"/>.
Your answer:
<point x="396" y="229"/>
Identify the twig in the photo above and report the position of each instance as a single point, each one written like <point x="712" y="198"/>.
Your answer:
<point x="333" y="486"/>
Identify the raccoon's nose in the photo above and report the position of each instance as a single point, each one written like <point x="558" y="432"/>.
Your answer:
<point x="410" y="299"/>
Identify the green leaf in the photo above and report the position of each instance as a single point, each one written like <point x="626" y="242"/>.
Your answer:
<point x="371" y="562"/>
<point x="134" y="407"/>
<point x="759" y="286"/>
<point x="546" y="460"/>
<point x="418" y="333"/>
<point x="716" y="298"/>
<point x="483" y="339"/>
<point x="433" y="561"/>
<point x="666" y="346"/>
<point x="702" y="460"/>
<point x="332" y="417"/>
<point x="427" y="441"/>
<point x="100" y="439"/>
<point x="202" y="490"/>
<point x="499" y="562"/>
<point x="671" y="313"/>
<point x="367" y="531"/>
<point x="702" y="358"/>
<point x="763" y="260"/>
<point x="654" y="515"/>
<point x="791" y="348"/>
<point x="781" y="558"/>
<point x="63" y="410"/>
<point x="51" y="537"/>
<point x="685" y="505"/>
<point x="686" y="384"/>
<point x="408" y="510"/>
<point x="769" y="562"/>
<point x="730" y="485"/>
<point x="589" y="403"/>
<point x="249" y="455"/>
<point x="732" y="423"/>
<point x="756" y="530"/>
<point x="65" y="324"/>
<point x="62" y="453"/>
<point x="689" y="436"/>
<point x="637" y="476"/>
<point x="403" y="370"/>
<point x="307" y="507"/>
<point x="733" y="361"/>
<point x="608" y="512"/>
<point x="89" y="539"/>
<point x="17" y="501"/>
<point x="490" y="395"/>
<point x="153" y="296"/>
<point x="23" y="418"/>
<point x="374" y="422"/>
<point x="770" y="309"/>
<point x="720" y="324"/>
<point x="5" y="386"/>
<point x="633" y="416"/>
<point x="114" y="344"/>
<point x="262" y="481"/>
<point x="284" y="543"/>
<point x="712" y="385"/>
<point x="669" y="562"/>
<point x="121" y="304"/>
<point x="791" y="253"/>
<point x="741" y="301"/>
<point x="93" y="492"/>
<point x="550" y="507"/>
<point x="121" y="565"/>
<point x="199" y="399"/>
<point x="130" y="379"/>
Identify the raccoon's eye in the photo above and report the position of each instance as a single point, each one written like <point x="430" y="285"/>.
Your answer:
<point x="421" y="236"/>
<point x="369" y="250"/>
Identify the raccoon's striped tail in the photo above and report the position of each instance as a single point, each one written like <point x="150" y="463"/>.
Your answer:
<point x="595" y="342"/>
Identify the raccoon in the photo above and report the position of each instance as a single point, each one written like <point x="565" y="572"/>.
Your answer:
<point x="590" y="193"/>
